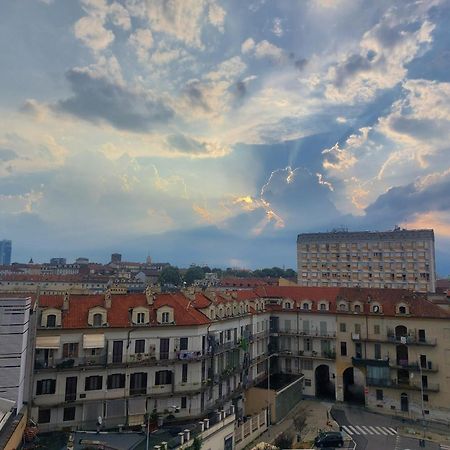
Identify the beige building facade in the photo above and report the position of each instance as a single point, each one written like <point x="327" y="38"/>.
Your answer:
<point x="401" y="259"/>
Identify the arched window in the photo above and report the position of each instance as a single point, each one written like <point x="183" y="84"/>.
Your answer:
<point x="357" y="308"/>
<point x="98" y="320"/>
<point x="51" y="320"/>
<point x="402" y="310"/>
<point x="305" y="306"/>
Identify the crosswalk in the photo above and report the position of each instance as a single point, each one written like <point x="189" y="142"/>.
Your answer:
<point x="444" y="447"/>
<point x="366" y="429"/>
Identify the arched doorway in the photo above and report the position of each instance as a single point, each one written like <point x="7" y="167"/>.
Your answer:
<point x="353" y="380"/>
<point x="324" y="385"/>
<point x="404" y="402"/>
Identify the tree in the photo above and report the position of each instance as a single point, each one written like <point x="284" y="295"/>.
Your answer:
<point x="196" y="444"/>
<point x="170" y="275"/>
<point x="192" y="274"/>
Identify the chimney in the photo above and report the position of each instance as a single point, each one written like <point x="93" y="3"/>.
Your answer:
<point x="149" y="295"/>
<point x="108" y="299"/>
<point x="187" y="435"/>
<point x="164" y="445"/>
<point x="206" y="422"/>
<point x="66" y="301"/>
<point x="181" y="436"/>
<point x="202" y="426"/>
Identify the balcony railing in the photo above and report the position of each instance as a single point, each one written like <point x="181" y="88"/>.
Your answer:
<point x="69" y="362"/>
<point x="409" y="339"/>
<point x="384" y="382"/>
<point x="414" y="366"/>
<point x="315" y="333"/>
<point x="362" y="362"/>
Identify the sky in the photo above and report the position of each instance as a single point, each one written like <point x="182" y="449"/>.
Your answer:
<point x="213" y="131"/>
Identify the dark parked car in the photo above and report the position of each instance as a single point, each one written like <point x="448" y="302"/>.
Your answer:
<point x="329" y="439"/>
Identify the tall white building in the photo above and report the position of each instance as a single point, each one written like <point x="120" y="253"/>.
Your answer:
<point x="14" y="358"/>
<point x="402" y="259"/>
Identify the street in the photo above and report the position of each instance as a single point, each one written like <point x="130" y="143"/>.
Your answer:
<point x="374" y="431"/>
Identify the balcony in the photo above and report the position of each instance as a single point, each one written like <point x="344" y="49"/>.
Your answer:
<point x="314" y="333"/>
<point x="411" y="339"/>
<point x="413" y="366"/>
<point x="402" y="385"/>
<point x="68" y="363"/>
<point x="326" y="354"/>
<point x="363" y="362"/>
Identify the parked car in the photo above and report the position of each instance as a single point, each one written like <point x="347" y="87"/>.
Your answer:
<point x="329" y="439"/>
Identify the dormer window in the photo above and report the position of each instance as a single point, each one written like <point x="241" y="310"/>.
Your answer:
<point x="51" y="321"/>
<point x="376" y="309"/>
<point x="287" y="305"/>
<point x="140" y="318"/>
<point x="305" y="306"/>
<point x="357" y="308"/>
<point x="97" y="317"/>
<point x="165" y="317"/>
<point x="323" y="307"/>
<point x="97" y="320"/>
<point x="402" y="310"/>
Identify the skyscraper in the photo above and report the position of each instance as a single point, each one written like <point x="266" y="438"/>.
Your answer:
<point x="5" y="252"/>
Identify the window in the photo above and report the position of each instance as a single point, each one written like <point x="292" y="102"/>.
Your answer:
<point x="184" y="343"/>
<point x="376" y="329"/>
<point x="402" y="310"/>
<point x="140" y="318"/>
<point x="305" y="306"/>
<point x="357" y="308"/>
<point x="69" y="414"/>
<point x="377" y="351"/>
<point x="357" y="328"/>
<point x="323" y="307"/>
<point x="184" y="373"/>
<point x="342" y="327"/>
<point x="138" y="383"/>
<point x="45" y="387"/>
<point x="51" y="320"/>
<point x="70" y="350"/>
<point x="343" y="307"/>
<point x="307" y="344"/>
<point x="379" y="393"/>
<point x="343" y="348"/>
<point x="183" y="402"/>
<point x="307" y="382"/>
<point x="165" y="317"/>
<point x="307" y="364"/>
<point x="98" y="320"/>
<point x="425" y="397"/>
<point x="422" y="337"/>
<point x="93" y="383"/>
<point x="116" y="381"/>
<point x="44" y="415"/>
<point x="163" y="377"/>
<point x="139" y="346"/>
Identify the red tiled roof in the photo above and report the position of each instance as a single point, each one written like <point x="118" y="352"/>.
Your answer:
<point x="119" y="313"/>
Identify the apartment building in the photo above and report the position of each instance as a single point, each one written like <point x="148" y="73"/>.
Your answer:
<point x="14" y="349"/>
<point x="121" y="356"/>
<point x="402" y="259"/>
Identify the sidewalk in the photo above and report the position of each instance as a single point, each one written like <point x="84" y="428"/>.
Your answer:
<point x="316" y="416"/>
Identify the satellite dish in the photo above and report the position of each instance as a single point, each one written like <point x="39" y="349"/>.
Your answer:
<point x="376" y="309"/>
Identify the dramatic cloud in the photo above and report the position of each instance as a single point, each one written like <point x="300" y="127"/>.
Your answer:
<point x="98" y="99"/>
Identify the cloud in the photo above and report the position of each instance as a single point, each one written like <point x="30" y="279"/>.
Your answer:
<point x="142" y="41"/>
<point x="6" y="154"/>
<point x="91" y="31"/>
<point x="196" y="148"/>
<point x="216" y="16"/>
<point x="263" y="49"/>
<point x="248" y="45"/>
<point x="97" y="99"/>
<point x="380" y="62"/>
<point x="277" y="28"/>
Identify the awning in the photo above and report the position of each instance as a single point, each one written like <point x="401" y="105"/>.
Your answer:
<point x="48" y="342"/>
<point x="93" y="340"/>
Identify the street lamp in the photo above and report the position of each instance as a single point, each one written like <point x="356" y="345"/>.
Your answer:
<point x="268" y="392"/>
<point x="422" y="443"/>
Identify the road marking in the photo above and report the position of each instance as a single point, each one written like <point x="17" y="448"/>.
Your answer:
<point x="391" y="430"/>
<point x="374" y="430"/>
<point x="367" y="429"/>
<point x="444" y="447"/>
<point x="360" y="429"/>
<point x="347" y="430"/>
<point x="354" y="429"/>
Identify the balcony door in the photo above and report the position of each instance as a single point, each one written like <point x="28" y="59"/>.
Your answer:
<point x="164" y="348"/>
<point x="117" y="351"/>
<point x="71" y="389"/>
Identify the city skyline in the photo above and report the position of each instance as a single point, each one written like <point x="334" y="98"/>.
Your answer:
<point x="208" y="131"/>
